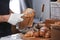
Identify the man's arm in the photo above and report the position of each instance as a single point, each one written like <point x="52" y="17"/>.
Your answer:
<point x="12" y="18"/>
<point x="4" y="18"/>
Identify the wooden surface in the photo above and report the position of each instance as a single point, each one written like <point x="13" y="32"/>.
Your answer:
<point x="36" y="39"/>
<point x="18" y="37"/>
<point x="33" y="38"/>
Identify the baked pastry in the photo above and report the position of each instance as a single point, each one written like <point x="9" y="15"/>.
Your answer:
<point x="36" y="34"/>
<point x="48" y="34"/>
<point x="43" y="31"/>
<point x="29" y="34"/>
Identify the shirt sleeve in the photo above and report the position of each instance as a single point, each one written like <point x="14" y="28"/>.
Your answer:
<point x="14" y="5"/>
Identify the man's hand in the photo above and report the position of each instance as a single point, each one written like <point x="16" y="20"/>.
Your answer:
<point x="15" y="18"/>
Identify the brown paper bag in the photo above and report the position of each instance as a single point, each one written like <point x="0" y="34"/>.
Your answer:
<point x="28" y="21"/>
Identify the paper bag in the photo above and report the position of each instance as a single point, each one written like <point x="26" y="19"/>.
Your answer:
<point x="28" y="21"/>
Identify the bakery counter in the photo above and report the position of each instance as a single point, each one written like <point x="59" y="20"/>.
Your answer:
<point x="19" y="37"/>
<point x="55" y="35"/>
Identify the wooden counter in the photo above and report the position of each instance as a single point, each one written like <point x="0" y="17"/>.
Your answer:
<point x="36" y="39"/>
<point x="19" y="37"/>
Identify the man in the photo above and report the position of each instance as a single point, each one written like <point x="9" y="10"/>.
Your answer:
<point x="6" y="18"/>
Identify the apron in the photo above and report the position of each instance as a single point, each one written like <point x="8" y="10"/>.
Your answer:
<point x="5" y="28"/>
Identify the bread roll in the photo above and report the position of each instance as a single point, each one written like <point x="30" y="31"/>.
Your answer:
<point x="29" y="34"/>
<point x="43" y="30"/>
<point x="36" y="34"/>
<point x="48" y="34"/>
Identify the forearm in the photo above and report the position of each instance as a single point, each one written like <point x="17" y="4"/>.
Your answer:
<point x="1" y="18"/>
<point x="4" y="18"/>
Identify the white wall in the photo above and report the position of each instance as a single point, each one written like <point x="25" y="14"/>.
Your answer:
<point x="37" y="7"/>
<point x="37" y="4"/>
<point x="46" y="13"/>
